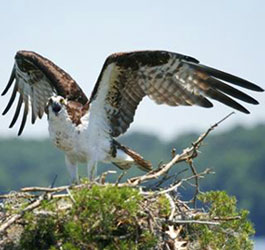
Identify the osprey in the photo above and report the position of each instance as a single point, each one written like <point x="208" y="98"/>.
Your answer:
<point x="85" y="128"/>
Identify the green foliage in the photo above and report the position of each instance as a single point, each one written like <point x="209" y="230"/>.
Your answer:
<point x="237" y="156"/>
<point x="102" y="217"/>
<point x="231" y="234"/>
<point x="40" y="234"/>
<point x="110" y="217"/>
<point x="164" y="206"/>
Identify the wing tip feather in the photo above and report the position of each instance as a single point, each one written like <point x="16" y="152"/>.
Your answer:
<point x="226" y="76"/>
<point x="11" y="79"/>
<point x="5" y="110"/>
<point x="259" y="89"/>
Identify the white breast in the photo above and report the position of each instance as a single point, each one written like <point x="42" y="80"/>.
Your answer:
<point x="61" y="131"/>
<point x="81" y="143"/>
<point x="66" y="135"/>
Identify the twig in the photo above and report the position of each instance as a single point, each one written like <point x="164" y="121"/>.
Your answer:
<point x="44" y="189"/>
<point x="159" y="183"/>
<point x="196" y="178"/>
<point x="176" y="184"/>
<point x="52" y="189"/>
<point x="60" y="196"/>
<point x="103" y="176"/>
<point x="171" y="188"/>
<point x="187" y="154"/>
<point x="120" y="177"/>
<point x="48" y="192"/>
<point x="227" y="218"/>
<point x="14" y="218"/>
<point x="176" y="222"/>
<point x="173" y="152"/>
<point x="18" y="195"/>
<point x="166" y="178"/>
<point x="204" y="135"/>
<point x="70" y="195"/>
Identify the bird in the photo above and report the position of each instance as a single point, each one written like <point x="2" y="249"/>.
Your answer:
<point x="86" y="128"/>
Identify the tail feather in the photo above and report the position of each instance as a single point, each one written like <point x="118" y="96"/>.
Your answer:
<point x="137" y="159"/>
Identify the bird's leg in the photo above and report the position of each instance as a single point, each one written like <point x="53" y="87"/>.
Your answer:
<point x="72" y="169"/>
<point x="92" y="170"/>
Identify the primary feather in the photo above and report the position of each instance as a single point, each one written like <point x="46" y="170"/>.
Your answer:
<point x="85" y="128"/>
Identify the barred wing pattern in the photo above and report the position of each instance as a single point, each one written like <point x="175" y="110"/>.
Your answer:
<point x="165" y="77"/>
<point x="36" y="79"/>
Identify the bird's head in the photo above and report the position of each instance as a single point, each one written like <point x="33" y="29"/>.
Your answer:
<point x="56" y="106"/>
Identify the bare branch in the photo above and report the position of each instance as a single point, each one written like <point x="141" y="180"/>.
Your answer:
<point x="186" y="155"/>
<point x="14" y="218"/>
<point x="196" y="177"/>
<point x="120" y="177"/>
<point x="179" y="209"/>
<point x="103" y="176"/>
<point x="70" y="195"/>
<point x="176" y="222"/>
<point x="227" y="218"/>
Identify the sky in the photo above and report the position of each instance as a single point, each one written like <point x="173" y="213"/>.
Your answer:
<point x="79" y="35"/>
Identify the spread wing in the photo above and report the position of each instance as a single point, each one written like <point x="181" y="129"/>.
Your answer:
<point x="165" y="77"/>
<point x="36" y="79"/>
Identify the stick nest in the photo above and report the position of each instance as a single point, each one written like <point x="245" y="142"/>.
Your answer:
<point x="97" y="215"/>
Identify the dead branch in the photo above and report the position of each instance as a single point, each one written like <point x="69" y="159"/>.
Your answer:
<point x="103" y="176"/>
<point x="16" y="217"/>
<point x="18" y="195"/>
<point x="70" y="195"/>
<point x="227" y="218"/>
<point x="120" y="177"/>
<point x="176" y="222"/>
<point x="44" y="189"/>
<point x="180" y="182"/>
<point x="179" y="209"/>
<point x="186" y="155"/>
<point x="194" y="171"/>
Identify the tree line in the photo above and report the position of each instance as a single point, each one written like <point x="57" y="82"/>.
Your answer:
<point x="237" y="157"/>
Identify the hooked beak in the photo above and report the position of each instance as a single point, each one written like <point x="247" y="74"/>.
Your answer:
<point x="56" y="107"/>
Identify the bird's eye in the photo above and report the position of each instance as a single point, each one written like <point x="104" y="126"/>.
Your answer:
<point x="62" y="101"/>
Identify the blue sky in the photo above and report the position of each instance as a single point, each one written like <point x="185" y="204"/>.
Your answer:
<point x="79" y="35"/>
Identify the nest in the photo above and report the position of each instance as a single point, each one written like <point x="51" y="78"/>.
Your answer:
<point x="151" y="218"/>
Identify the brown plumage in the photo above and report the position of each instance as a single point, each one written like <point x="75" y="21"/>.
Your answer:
<point x="44" y="79"/>
<point x="167" y="78"/>
<point x="138" y="159"/>
<point x="125" y="79"/>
